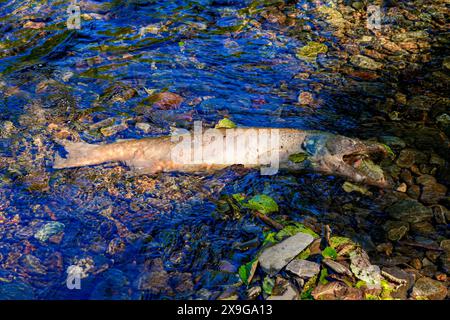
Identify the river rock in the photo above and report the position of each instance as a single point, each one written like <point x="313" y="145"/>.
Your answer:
<point x="49" y="230"/>
<point x="365" y="62"/>
<point x="166" y="100"/>
<point x="33" y="265"/>
<point x="182" y="282"/>
<point x="289" y="293"/>
<point x="305" y="98"/>
<point x="423" y="227"/>
<point x="429" y="288"/>
<point x="445" y="261"/>
<point x="155" y="282"/>
<point x="396" y="230"/>
<point x="274" y="258"/>
<point x="445" y="244"/>
<point x="432" y="192"/>
<point x="408" y="157"/>
<point x="402" y="187"/>
<point x="333" y="16"/>
<point x="446" y="63"/>
<point x="114" y="129"/>
<point x="443" y="120"/>
<point x="303" y="268"/>
<point x="336" y="291"/>
<point x="337" y="267"/>
<point x="410" y="211"/>
<point x="413" y="191"/>
<point x="407" y="177"/>
<point x="393" y="142"/>
<point x="311" y="50"/>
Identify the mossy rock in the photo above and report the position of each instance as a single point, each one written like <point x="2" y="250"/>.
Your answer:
<point x="311" y="50"/>
<point x="263" y="204"/>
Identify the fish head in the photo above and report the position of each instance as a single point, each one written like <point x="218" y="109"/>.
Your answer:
<point x="355" y="160"/>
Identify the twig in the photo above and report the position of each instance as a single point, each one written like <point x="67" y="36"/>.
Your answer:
<point x="423" y="246"/>
<point x="268" y="220"/>
<point x="327" y="234"/>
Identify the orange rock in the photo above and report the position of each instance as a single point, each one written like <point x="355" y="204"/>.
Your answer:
<point x="167" y="100"/>
<point x="336" y="291"/>
<point x="34" y="25"/>
<point x="329" y="291"/>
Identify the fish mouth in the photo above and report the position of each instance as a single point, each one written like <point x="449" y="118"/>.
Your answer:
<point x="363" y="164"/>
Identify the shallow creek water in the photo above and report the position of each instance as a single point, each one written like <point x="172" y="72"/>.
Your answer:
<point x="235" y="59"/>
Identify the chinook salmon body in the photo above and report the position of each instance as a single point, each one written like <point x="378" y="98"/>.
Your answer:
<point x="269" y="149"/>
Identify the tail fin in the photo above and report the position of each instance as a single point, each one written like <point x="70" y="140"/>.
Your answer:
<point x="78" y="154"/>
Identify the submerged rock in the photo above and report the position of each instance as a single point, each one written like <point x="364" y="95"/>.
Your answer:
<point x="393" y="142"/>
<point x="311" y="50"/>
<point x="289" y="293"/>
<point x="166" y="100"/>
<point x="49" y="230"/>
<point x="305" y="98"/>
<point x="156" y="280"/>
<point x="410" y="211"/>
<point x="408" y="157"/>
<point x="429" y="289"/>
<point x="396" y="230"/>
<point x="432" y="192"/>
<point x="336" y="291"/>
<point x="365" y="62"/>
<point x="276" y="257"/>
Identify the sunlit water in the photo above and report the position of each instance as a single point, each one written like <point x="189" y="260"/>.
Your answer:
<point x="224" y="61"/>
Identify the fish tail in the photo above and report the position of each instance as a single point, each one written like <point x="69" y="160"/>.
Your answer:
<point x="78" y="154"/>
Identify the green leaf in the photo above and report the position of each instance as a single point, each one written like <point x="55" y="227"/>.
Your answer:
<point x="263" y="204"/>
<point x="350" y="187"/>
<point x="387" y="289"/>
<point x="225" y="123"/>
<point x="268" y="284"/>
<point x="269" y="238"/>
<point x="389" y="150"/>
<point x="298" y="157"/>
<point x="239" y="197"/>
<point x="335" y="242"/>
<point x="369" y="296"/>
<point x="304" y="254"/>
<point x="323" y="276"/>
<point x="330" y="253"/>
<point x="247" y="271"/>
<point x="293" y="229"/>
<point x="308" y="288"/>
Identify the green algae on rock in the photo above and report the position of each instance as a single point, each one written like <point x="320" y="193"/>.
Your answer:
<point x="311" y="50"/>
<point x="350" y="187"/>
<point x="262" y="203"/>
<point x="49" y="230"/>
